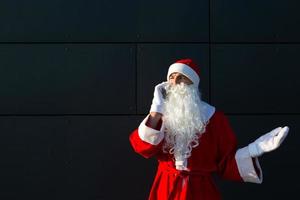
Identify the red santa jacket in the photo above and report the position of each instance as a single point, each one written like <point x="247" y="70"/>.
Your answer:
<point x="216" y="153"/>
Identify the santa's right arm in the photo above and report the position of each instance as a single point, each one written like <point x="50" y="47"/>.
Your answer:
<point x="146" y="140"/>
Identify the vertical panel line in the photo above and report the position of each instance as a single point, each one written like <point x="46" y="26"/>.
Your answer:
<point x="136" y="82"/>
<point x="209" y="51"/>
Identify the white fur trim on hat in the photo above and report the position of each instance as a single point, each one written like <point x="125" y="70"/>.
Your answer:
<point x="185" y="70"/>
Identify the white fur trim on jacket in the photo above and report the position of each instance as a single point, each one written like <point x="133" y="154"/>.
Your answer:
<point x="246" y="166"/>
<point x="208" y="110"/>
<point x="150" y="135"/>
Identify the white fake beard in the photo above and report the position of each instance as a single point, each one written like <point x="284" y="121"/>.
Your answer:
<point x="183" y="120"/>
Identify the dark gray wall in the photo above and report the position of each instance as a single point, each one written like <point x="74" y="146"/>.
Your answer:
<point x="76" y="77"/>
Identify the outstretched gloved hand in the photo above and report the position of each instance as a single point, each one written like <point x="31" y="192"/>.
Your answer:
<point x="268" y="142"/>
<point x="158" y="98"/>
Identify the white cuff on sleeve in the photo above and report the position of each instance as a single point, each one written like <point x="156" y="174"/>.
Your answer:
<point x="150" y="135"/>
<point x="246" y="166"/>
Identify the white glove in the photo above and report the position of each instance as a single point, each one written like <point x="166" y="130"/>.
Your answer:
<point x="158" y="98"/>
<point x="268" y="142"/>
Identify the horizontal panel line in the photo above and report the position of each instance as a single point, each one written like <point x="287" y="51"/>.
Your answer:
<point x="296" y="43"/>
<point x="251" y="114"/>
<point x="103" y="42"/>
<point x="66" y="115"/>
<point x="255" y="43"/>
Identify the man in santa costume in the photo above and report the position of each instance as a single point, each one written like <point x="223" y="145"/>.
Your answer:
<point x="191" y="140"/>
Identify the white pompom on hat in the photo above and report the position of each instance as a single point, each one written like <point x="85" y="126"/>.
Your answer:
<point x="186" y="67"/>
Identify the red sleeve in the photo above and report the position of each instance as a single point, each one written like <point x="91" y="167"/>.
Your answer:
<point x="142" y="147"/>
<point x="227" y="146"/>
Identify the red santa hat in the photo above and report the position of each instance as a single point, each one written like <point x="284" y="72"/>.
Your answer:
<point x="186" y="67"/>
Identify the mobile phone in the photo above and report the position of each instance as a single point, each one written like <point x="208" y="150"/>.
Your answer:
<point x="164" y="93"/>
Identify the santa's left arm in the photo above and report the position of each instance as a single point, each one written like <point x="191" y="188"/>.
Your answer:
<point x="242" y="164"/>
<point x="247" y="157"/>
